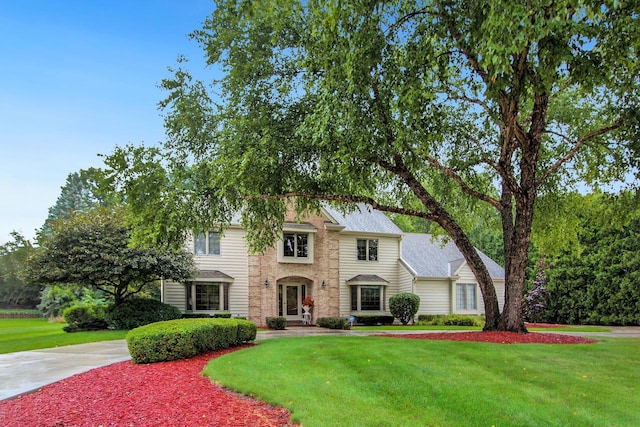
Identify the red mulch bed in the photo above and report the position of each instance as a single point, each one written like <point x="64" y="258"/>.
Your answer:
<point x="498" y="337"/>
<point x="126" y="394"/>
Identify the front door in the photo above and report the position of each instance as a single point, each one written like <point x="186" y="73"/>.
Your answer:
<point x="292" y="302"/>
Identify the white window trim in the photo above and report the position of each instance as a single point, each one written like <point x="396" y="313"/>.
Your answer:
<point x="295" y="259"/>
<point x="358" y="287"/>
<point x="465" y="308"/>
<point x="368" y="248"/>
<point x="192" y="303"/>
<point x="206" y="243"/>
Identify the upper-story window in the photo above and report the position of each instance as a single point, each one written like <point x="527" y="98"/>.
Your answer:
<point x="367" y="249"/>
<point x="296" y="245"/>
<point x="207" y="243"/>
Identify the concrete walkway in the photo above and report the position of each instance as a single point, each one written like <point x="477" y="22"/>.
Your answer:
<point x="26" y="371"/>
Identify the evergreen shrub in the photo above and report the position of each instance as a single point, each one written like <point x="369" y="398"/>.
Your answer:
<point x="277" y="323"/>
<point x="85" y="318"/>
<point x="450" y="320"/>
<point x="138" y="312"/>
<point x="404" y="306"/>
<point x="374" y="319"/>
<point x="333" y="322"/>
<point x="223" y="315"/>
<point x="184" y="338"/>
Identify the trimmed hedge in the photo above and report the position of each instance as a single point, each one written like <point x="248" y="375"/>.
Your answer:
<point x="85" y="318"/>
<point x="374" y="319"/>
<point x="333" y="322"/>
<point x="184" y="338"/>
<point x="278" y="323"/>
<point x="139" y="312"/>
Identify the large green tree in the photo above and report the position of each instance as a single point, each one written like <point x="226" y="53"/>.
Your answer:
<point x="15" y="288"/>
<point x="92" y="249"/>
<point x="598" y="281"/>
<point x="423" y="108"/>
<point x="80" y="193"/>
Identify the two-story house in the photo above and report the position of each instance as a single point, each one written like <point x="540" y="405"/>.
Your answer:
<point x="348" y="264"/>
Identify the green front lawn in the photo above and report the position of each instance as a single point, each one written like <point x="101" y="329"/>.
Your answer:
<point x="33" y="334"/>
<point x="376" y="381"/>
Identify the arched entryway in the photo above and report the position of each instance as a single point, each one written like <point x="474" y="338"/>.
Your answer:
<point x="291" y="291"/>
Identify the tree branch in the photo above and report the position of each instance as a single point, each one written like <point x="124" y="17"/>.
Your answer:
<point x="576" y="147"/>
<point x="466" y="188"/>
<point x="347" y="199"/>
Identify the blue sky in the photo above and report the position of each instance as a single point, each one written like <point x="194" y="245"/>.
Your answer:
<point x="79" y="77"/>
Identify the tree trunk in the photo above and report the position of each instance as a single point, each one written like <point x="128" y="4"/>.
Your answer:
<point x="479" y="269"/>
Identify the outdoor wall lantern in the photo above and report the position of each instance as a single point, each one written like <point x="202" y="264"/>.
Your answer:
<point x="266" y="283"/>
<point x="324" y="285"/>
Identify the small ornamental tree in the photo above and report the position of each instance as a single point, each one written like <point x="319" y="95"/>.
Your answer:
<point x="93" y="249"/>
<point x="404" y="306"/>
<point x="534" y="301"/>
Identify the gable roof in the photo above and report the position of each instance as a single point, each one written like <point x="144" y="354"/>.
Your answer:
<point x="364" y="219"/>
<point x="427" y="256"/>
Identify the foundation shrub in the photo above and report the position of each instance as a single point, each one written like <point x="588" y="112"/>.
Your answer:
<point x="138" y="312"/>
<point x="333" y="323"/>
<point x="277" y="323"/>
<point x="184" y="338"/>
<point x="450" y="320"/>
<point x="374" y="319"/>
<point x="223" y="315"/>
<point x="85" y="318"/>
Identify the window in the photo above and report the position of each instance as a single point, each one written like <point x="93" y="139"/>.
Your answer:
<point x="367" y="249"/>
<point x="296" y="245"/>
<point x="367" y="298"/>
<point x="207" y="296"/>
<point x="466" y="296"/>
<point x="208" y="243"/>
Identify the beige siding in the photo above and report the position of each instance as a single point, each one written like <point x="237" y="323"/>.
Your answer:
<point x="435" y="296"/>
<point x="406" y="280"/>
<point x="232" y="261"/>
<point x="173" y="293"/>
<point x="465" y="275"/>
<point x="387" y="266"/>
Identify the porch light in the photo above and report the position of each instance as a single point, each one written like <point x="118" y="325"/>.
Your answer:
<point x="324" y="285"/>
<point x="266" y="283"/>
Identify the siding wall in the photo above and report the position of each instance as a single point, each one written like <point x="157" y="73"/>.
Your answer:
<point x="435" y="296"/>
<point x="232" y="261"/>
<point x="405" y="281"/>
<point x="387" y="266"/>
<point x="465" y="275"/>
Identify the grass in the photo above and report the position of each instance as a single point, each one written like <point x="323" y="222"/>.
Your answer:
<point x="33" y="334"/>
<point x="375" y="381"/>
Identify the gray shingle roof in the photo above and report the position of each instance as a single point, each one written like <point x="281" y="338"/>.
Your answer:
<point x="364" y="219"/>
<point x="367" y="278"/>
<point x="213" y="274"/>
<point x="428" y="257"/>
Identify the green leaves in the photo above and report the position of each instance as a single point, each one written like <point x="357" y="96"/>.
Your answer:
<point x="93" y="249"/>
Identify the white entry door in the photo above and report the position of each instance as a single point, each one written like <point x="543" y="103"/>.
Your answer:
<point x="291" y="301"/>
